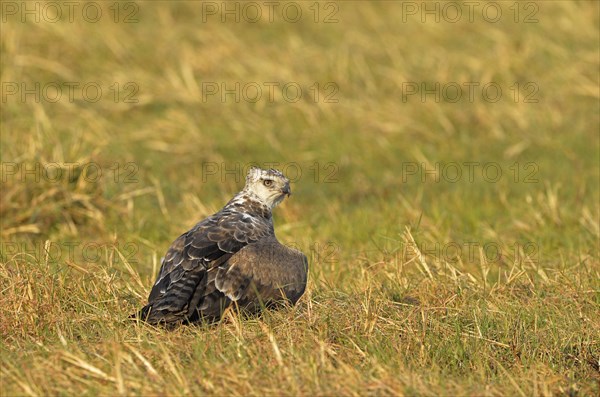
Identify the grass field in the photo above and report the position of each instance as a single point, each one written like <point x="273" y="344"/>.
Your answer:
<point x="445" y="171"/>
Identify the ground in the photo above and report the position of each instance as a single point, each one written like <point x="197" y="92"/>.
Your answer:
<point x="444" y="159"/>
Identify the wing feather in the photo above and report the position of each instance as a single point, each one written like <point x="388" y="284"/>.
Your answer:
<point x="182" y="282"/>
<point x="263" y="272"/>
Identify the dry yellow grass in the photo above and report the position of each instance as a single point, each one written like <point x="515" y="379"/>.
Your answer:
<point x="424" y="281"/>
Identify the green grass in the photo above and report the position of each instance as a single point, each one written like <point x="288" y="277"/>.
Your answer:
<point x="417" y="287"/>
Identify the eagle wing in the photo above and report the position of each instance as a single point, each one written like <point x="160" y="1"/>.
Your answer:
<point x="183" y="280"/>
<point x="263" y="273"/>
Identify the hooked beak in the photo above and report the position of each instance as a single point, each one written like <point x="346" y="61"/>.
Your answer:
<point x="286" y="190"/>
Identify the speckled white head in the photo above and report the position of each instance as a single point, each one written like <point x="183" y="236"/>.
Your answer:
<point x="269" y="186"/>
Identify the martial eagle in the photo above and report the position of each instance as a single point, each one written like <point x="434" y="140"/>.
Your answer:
<point x="231" y="256"/>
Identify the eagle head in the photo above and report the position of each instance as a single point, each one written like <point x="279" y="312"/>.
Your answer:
<point x="268" y="186"/>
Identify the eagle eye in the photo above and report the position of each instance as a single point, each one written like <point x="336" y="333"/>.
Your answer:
<point x="268" y="182"/>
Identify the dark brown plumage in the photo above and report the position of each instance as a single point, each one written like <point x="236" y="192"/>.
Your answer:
<point x="231" y="256"/>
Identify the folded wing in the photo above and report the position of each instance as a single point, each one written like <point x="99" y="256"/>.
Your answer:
<point x="183" y="281"/>
<point x="263" y="273"/>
